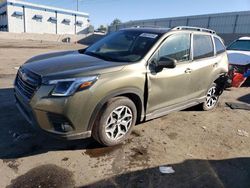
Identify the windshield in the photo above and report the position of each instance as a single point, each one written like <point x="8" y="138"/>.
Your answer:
<point x="241" y="45"/>
<point x="123" y="46"/>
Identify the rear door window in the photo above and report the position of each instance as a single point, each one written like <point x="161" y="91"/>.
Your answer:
<point x="220" y="48"/>
<point x="202" y="46"/>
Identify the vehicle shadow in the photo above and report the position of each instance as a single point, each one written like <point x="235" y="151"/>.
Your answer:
<point x="230" y="173"/>
<point x="246" y="83"/>
<point x="196" y="108"/>
<point x="18" y="139"/>
<point x="245" y="98"/>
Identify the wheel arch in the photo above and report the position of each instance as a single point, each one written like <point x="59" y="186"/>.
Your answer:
<point x="134" y="94"/>
<point x="221" y="81"/>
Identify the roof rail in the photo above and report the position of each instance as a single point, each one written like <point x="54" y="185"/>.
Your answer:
<point x="194" y="29"/>
<point x="148" y="26"/>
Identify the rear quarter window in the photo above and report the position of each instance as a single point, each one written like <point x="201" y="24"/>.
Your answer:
<point x="202" y="46"/>
<point x="220" y="48"/>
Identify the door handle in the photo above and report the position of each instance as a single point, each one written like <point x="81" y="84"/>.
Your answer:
<point x="188" y="71"/>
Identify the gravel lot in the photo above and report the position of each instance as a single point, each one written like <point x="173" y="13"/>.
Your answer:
<point x="205" y="149"/>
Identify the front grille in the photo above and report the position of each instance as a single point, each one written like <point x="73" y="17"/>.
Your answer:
<point x="27" y="82"/>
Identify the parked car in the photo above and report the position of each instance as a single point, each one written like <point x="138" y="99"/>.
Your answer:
<point x="128" y="77"/>
<point x="239" y="60"/>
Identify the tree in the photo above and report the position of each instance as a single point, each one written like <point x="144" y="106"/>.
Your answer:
<point x="116" y="22"/>
<point x="91" y="29"/>
<point x="102" y="28"/>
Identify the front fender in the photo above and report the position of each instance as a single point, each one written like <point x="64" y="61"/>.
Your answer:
<point x="115" y="93"/>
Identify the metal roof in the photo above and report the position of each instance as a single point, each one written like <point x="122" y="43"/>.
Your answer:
<point x="224" y="14"/>
<point x="49" y="8"/>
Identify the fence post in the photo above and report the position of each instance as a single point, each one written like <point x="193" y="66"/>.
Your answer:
<point x="170" y="23"/>
<point x="187" y="21"/>
<point x="235" y="23"/>
<point x="208" y="23"/>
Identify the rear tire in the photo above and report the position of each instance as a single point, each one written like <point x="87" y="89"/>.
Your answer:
<point x="212" y="98"/>
<point x="115" y="121"/>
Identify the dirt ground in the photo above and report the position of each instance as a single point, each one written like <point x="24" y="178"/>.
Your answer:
<point x="204" y="149"/>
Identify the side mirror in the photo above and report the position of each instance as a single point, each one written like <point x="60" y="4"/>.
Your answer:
<point x="166" y="62"/>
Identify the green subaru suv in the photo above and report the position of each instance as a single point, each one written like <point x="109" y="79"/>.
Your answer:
<point x="128" y="77"/>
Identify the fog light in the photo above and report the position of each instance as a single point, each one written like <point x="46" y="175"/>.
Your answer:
<point x="66" y="127"/>
<point x="60" y="123"/>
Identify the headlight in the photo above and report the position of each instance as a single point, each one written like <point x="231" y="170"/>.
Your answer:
<point x="67" y="87"/>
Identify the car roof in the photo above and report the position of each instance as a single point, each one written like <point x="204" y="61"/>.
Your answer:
<point x="244" y="38"/>
<point x="148" y="30"/>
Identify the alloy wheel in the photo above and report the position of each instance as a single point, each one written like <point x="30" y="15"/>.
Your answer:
<point x="212" y="97"/>
<point x="118" y="122"/>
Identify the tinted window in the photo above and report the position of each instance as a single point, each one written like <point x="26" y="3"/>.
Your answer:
<point x="176" y="46"/>
<point x="220" y="48"/>
<point x="203" y="46"/>
<point x="123" y="46"/>
<point x="241" y="45"/>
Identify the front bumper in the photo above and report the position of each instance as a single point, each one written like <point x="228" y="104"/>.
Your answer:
<point x="37" y="111"/>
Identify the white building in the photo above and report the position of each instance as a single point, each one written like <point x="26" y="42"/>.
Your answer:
<point x="21" y="17"/>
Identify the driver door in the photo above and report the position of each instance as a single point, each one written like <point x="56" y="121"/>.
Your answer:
<point x="170" y="86"/>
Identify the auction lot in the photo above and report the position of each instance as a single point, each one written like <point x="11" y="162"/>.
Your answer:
<point x="205" y="149"/>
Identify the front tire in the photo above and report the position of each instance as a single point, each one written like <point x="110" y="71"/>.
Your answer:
<point x="115" y="121"/>
<point x="212" y="98"/>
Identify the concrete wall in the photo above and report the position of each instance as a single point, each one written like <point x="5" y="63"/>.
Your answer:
<point x="41" y="37"/>
<point x="63" y="27"/>
<point x="82" y="29"/>
<point x="36" y="25"/>
<point x="15" y="23"/>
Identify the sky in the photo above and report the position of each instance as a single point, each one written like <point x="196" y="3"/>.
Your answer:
<point x="105" y="11"/>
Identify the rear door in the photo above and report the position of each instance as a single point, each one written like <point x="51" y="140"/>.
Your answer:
<point x="203" y="64"/>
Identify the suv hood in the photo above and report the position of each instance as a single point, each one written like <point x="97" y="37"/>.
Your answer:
<point x="70" y="63"/>
<point x="236" y="57"/>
